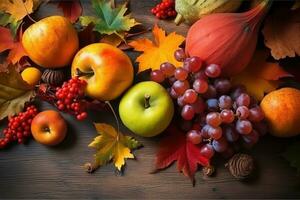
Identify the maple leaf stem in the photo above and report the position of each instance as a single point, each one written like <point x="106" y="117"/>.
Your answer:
<point x="27" y="13"/>
<point x="116" y="118"/>
<point x="113" y="3"/>
<point x="90" y="167"/>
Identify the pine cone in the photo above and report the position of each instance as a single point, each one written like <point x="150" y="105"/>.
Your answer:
<point x="241" y="166"/>
<point x="54" y="77"/>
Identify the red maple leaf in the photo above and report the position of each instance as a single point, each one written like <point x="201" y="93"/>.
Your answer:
<point x="7" y="42"/>
<point x="71" y="9"/>
<point x="6" y="39"/>
<point x="175" y="147"/>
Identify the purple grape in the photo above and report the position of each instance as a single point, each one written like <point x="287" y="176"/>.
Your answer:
<point x="212" y="105"/>
<point x="220" y="145"/>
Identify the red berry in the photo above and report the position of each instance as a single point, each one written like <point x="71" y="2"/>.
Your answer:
<point x="79" y="117"/>
<point x="73" y="93"/>
<point x="83" y="115"/>
<point x="164" y="10"/>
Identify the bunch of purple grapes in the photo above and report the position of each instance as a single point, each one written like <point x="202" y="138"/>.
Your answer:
<point x="214" y="114"/>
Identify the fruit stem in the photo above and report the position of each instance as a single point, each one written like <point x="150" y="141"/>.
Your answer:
<point x="178" y="19"/>
<point x="31" y="19"/>
<point x="116" y="118"/>
<point x="80" y="73"/>
<point x="147" y="101"/>
<point x="46" y="129"/>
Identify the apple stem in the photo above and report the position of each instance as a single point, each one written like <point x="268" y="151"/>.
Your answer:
<point x="116" y="118"/>
<point x="46" y="129"/>
<point x="147" y="101"/>
<point x="80" y="73"/>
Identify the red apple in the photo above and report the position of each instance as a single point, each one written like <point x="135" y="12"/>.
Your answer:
<point x="49" y="128"/>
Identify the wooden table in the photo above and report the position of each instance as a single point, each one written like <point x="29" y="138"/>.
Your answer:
<point x="36" y="171"/>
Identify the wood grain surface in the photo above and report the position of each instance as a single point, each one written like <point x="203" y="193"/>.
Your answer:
<point x="35" y="171"/>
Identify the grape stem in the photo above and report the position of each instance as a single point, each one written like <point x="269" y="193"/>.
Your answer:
<point x="80" y="73"/>
<point x="116" y="118"/>
<point x="147" y="101"/>
<point x="209" y="140"/>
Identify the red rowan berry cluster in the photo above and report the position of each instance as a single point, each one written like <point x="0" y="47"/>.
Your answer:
<point x="18" y="128"/>
<point x="164" y="10"/>
<point x="70" y="98"/>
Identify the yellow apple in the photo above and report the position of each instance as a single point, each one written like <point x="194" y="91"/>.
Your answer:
<point x="107" y="70"/>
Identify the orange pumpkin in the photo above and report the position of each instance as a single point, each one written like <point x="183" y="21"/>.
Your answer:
<point x="51" y="42"/>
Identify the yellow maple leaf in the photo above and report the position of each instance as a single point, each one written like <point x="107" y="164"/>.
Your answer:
<point x="112" y="145"/>
<point x="260" y="77"/>
<point x="159" y="51"/>
<point x="18" y="8"/>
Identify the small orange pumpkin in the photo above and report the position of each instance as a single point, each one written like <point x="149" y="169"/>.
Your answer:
<point x="51" y="42"/>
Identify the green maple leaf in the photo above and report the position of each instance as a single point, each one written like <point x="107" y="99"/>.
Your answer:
<point x="7" y="19"/>
<point x="14" y="93"/>
<point x="292" y="155"/>
<point x="109" y="20"/>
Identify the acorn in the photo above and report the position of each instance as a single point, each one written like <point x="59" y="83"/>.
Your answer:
<point x="54" y="77"/>
<point x="241" y="166"/>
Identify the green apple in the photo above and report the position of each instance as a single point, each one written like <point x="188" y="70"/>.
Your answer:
<point x="146" y="109"/>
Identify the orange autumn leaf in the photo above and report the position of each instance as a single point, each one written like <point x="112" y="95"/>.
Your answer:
<point x="16" y="53"/>
<point x="159" y="51"/>
<point x="260" y="76"/>
<point x="18" y="9"/>
<point x="7" y="42"/>
<point x="282" y="33"/>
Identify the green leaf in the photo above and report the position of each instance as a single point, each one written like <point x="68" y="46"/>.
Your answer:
<point x="292" y="155"/>
<point x="7" y="19"/>
<point x="14" y="93"/>
<point x="109" y="20"/>
<point x="86" y="20"/>
<point x="131" y="143"/>
<point x="14" y="26"/>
